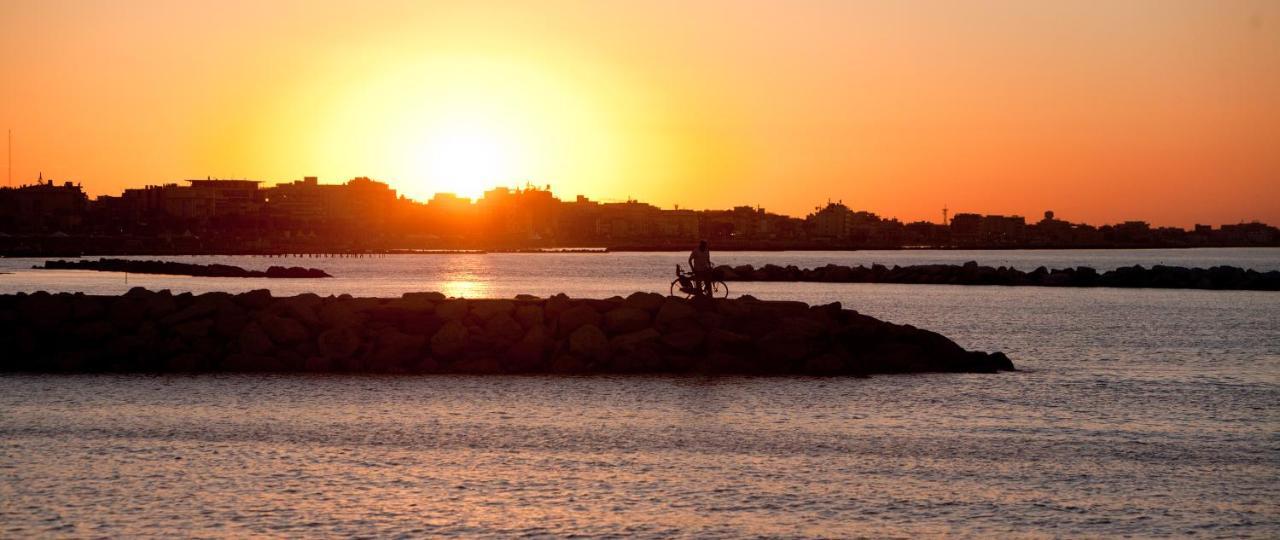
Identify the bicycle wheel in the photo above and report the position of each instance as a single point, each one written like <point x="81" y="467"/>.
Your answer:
<point x="719" y="289"/>
<point x="677" y="290"/>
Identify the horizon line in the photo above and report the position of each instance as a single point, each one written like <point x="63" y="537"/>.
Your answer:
<point x="529" y="185"/>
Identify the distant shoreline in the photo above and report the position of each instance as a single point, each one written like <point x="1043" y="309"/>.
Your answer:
<point x="573" y="250"/>
<point x="1218" y="278"/>
<point x="182" y="269"/>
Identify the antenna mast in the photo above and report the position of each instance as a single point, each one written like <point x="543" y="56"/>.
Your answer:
<point x="944" y="215"/>
<point x="9" y="162"/>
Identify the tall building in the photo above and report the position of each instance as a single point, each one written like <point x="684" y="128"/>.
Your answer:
<point x="518" y="214"/>
<point x="360" y="200"/>
<point x="201" y="200"/>
<point x="42" y="207"/>
<point x="992" y="230"/>
<point x="833" y="221"/>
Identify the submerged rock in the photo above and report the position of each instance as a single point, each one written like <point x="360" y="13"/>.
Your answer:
<point x="183" y="269"/>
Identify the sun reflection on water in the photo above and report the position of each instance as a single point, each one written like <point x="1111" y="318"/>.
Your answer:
<point x="469" y="276"/>
<point x="468" y="287"/>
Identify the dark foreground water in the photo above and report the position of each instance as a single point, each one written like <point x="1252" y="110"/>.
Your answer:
<point x="1138" y="412"/>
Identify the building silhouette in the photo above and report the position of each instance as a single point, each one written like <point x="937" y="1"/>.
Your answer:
<point x="43" y="207"/>
<point x="220" y="215"/>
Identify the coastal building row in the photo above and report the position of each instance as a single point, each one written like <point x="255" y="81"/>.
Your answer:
<point x="363" y="211"/>
<point x="43" y="207"/>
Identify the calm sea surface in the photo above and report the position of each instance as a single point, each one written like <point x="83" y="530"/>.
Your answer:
<point x="1137" y="412"/>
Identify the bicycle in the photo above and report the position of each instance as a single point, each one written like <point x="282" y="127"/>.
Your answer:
<point x="689" y="285"/>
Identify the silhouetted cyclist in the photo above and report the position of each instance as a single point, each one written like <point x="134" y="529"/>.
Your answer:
<point x="700" y="262"/>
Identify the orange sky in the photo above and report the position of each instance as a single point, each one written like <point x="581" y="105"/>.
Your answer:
<point x="1162" y="110"/>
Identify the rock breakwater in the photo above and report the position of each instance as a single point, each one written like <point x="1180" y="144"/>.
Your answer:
<point x="147" y="331"/>
<point x="183" y="269"/>
<point x="970" y="273"/>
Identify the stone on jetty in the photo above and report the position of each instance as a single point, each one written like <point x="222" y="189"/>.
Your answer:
<point x="970" y="273"/>
<point x="182" y="269"/>
<point x="146" y="331"/>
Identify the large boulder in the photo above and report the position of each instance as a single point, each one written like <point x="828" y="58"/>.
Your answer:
<point x="93" y="331"/>
<point x="44" y="310"/>
<point x="390" y="314"/>
<point x="393" y="351"/>
<point x="529" y="315"/>
<point x="339" y="313"/>
<point x="318" y="364"/>
<point x="722" y="362"/>
<point x="642" y="360"/>
<point x="557" y="304"/>
<point x="190" y="330"/>
<point x="301" y="308"/>
<point x="185" y="362"/>
<point x="568" y="364"/>
<point x="788" y="344"/>
<point x="452" y="310"/>
<point x="254" y="340"/>
<point x="485" y="309"/>
<point x="726" y="341"/>
<point x="87" y="307"/>
<point x="200" y="307"/>
<point x="282" y="329"/>
<point x="997" y="361"/>
<point x="779" y="308"/>
<point x="427" y="364"/>
<point x="685" y="340"/>
<point x="239" y="362"/>
<point x="674" y="311"/>
<point x="576" y="317"/>
<point x="133" y="292"/>
<point x="588" y="341"/>
<point x="626" y="319"/>
<point x="825" y="364"/>
<point x="450" y="340"/>
<point x="641" y="339"/>
<point x="645" y="301"/>
<point x="126" y="313"/>
<point x="479" y="365"/>
<point x="160" y="304"/>
<point x="894" y="357"/>
<point x="710" y="319"/>
<point x="229" y="320"/>
<point x="804" y="328"/>
<point x="338" y="343"/>
<point x="423" y="297"/>
<point x="527" y="353"/>
<point x="501" y="330"/>
<point x="255" y="299"/>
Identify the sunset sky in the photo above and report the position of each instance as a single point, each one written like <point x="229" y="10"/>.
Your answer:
<point x="1162" y="110"/>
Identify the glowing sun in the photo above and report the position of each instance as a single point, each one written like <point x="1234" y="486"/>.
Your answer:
<point x="468" y="159"/>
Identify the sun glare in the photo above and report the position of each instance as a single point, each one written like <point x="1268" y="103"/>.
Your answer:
<point x="465" y="125"/>
<point x="467" y="160"/>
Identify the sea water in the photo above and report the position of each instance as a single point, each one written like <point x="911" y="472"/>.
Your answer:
<point x="1135" y="412"/>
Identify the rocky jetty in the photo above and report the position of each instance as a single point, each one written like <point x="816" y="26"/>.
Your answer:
<point x="970" y="273"/>
<point x="146" y="331"/>
<point x="183" y="269"/>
